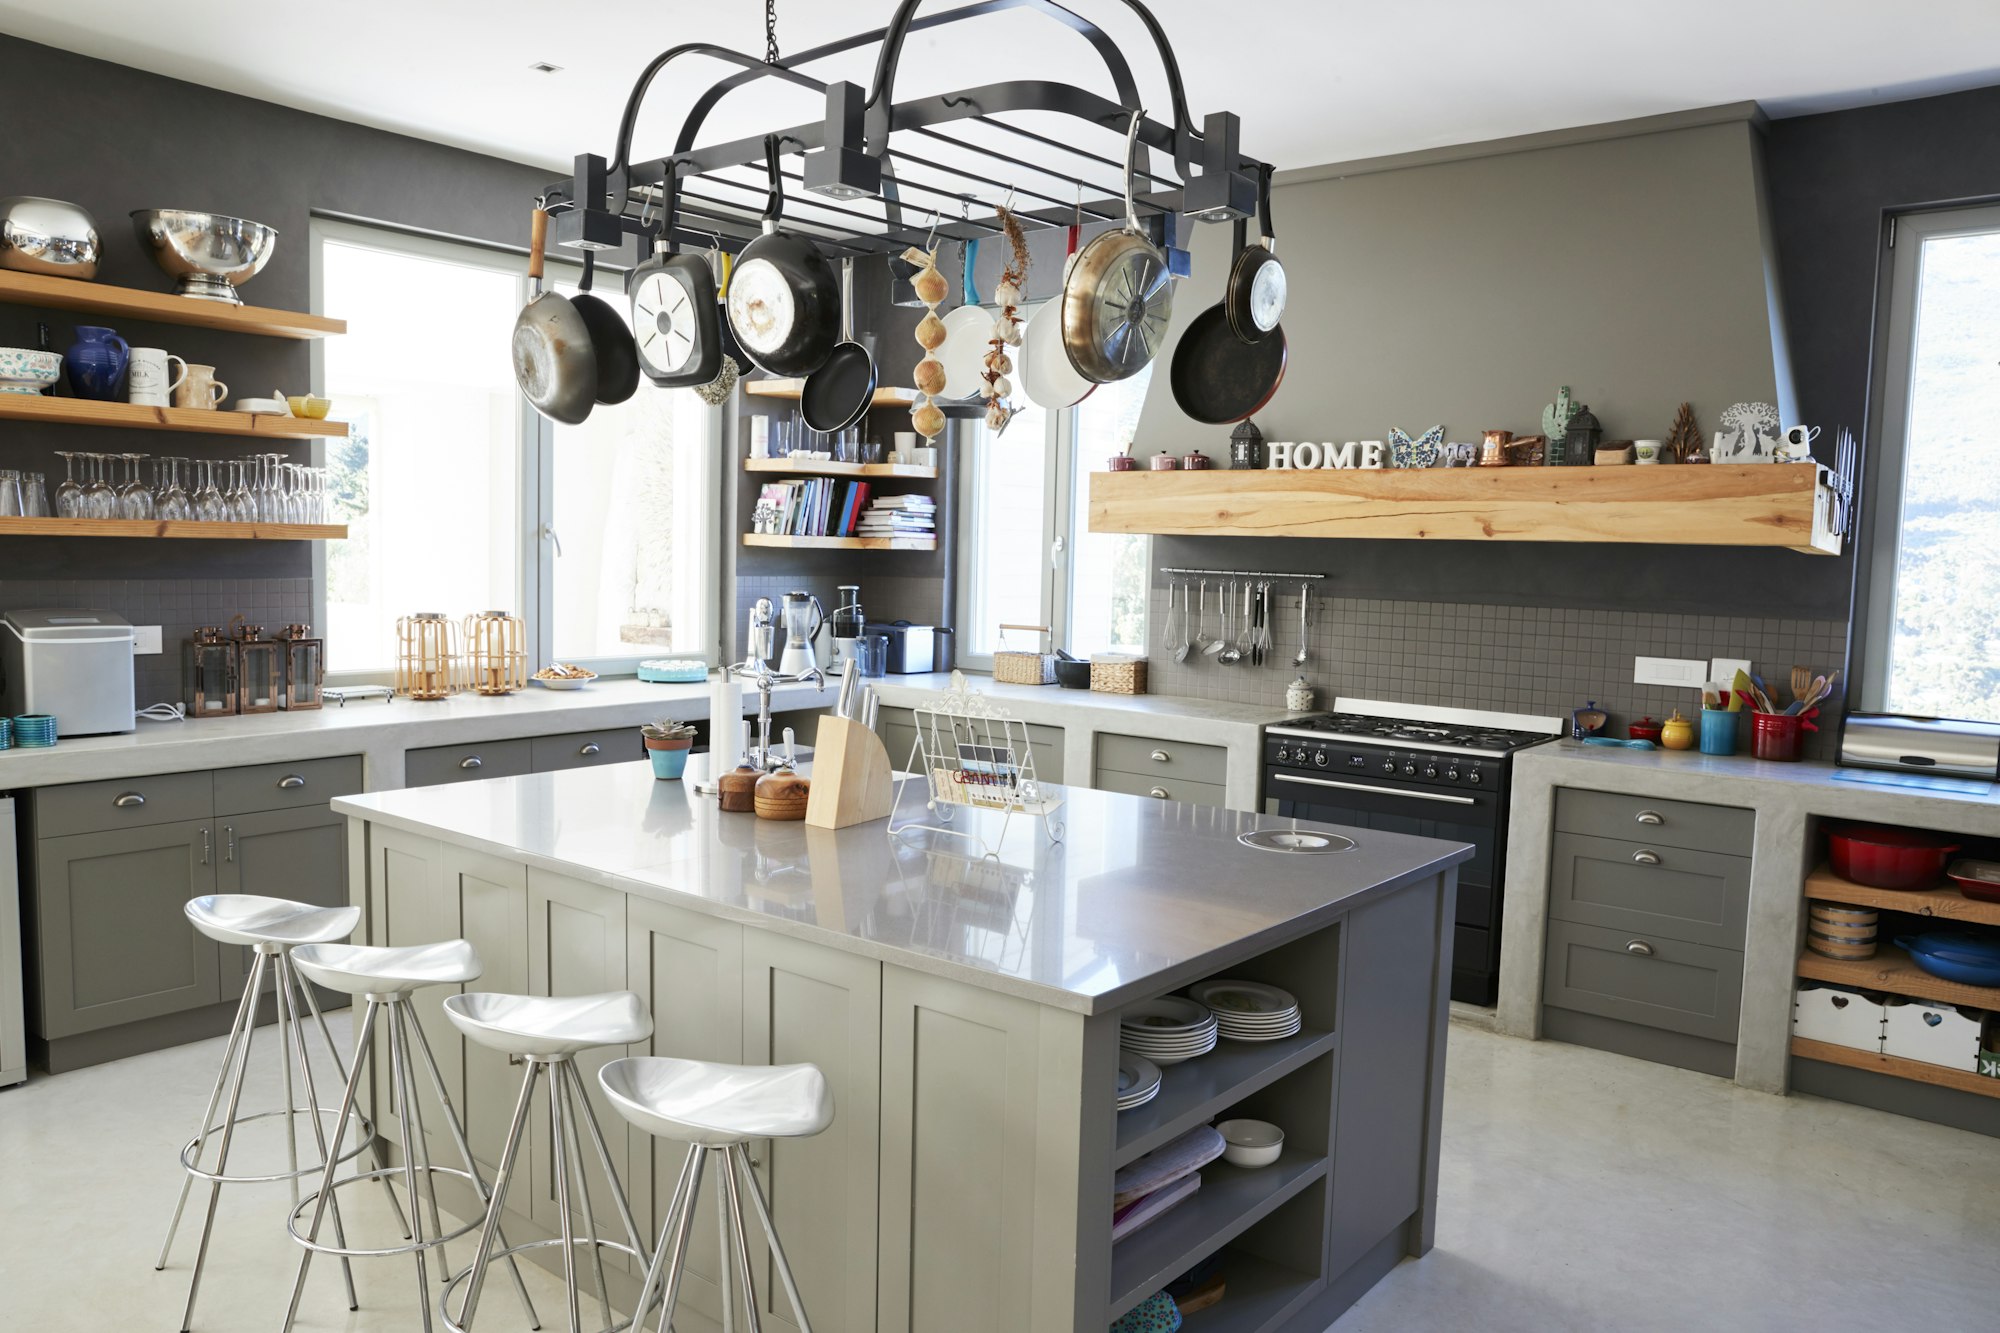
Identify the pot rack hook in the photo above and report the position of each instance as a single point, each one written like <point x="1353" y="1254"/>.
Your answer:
<point x="930" y="241"/>
<point x="774" y="206"/>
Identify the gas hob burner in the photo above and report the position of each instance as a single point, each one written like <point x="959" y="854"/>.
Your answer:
<point x="1415" y="734"/>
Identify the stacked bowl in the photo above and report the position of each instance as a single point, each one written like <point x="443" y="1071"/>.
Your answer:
<point x="35" y="731"/>
<point x="1138" y="1080"/>
<point x="1167" y="1030"/>
<point x="1249" y="1010"/>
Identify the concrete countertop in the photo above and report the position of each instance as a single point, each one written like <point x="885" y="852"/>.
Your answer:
<point x="1788" y="799"/>
<point x="1142" y="896"/>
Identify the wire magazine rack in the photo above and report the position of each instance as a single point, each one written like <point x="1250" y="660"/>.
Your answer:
<point x="971" y="753"/>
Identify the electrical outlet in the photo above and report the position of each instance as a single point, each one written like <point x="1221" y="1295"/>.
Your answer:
<point x="145" y="640"/>
<point x="1725" y="668"/>
<point x="1687" y="671"/>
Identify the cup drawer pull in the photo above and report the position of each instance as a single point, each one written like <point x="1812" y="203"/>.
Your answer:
<point x="291" y="782"/>
<point x="1158" y="794"/>
<point x="130" y="800"/>
<point x="1639" y="947"/>
<point x="1650" y="817"/>
<point x="471" y="761"/>
<point x="1162" y="757"/>
<point x="592" y="748"/>
<point x="1645" y="858"/>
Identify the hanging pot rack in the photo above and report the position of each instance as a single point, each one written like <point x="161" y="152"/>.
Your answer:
<point x="867" y="180"/>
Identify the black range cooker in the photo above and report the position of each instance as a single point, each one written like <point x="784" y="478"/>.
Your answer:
<point x="1444" y="775"/>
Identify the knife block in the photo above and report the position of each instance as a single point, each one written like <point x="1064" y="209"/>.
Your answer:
<point x="851" y="781"/>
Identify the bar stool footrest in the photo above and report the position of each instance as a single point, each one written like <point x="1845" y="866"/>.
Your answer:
<point x="583" y="1245"/>
<point x="393" y="1174"/>
<point x="327" y="1114"/>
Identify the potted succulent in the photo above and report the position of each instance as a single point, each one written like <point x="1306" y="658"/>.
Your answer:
<point x="667" y="745"/>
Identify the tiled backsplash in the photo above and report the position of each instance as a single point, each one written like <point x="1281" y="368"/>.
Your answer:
<point x="177" y="606"/>
<point x="1517" y="659"/>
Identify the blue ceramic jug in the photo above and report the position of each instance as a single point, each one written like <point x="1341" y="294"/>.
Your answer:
<point x="96" y="364"/>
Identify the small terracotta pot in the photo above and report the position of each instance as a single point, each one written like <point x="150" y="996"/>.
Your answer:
<point x="1121" y="463"/>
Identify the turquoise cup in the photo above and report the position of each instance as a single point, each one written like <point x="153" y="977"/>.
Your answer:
<point x="1718" y="731"/>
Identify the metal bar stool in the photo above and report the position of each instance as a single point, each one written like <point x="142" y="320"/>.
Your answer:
<point x="717" y="1110"/>
<point x="548" y="1034"/>
<point x="272" y="927"/>
<point x="386" y="978"/>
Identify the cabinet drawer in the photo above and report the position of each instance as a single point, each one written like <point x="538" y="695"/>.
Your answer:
<point x="95" y="807"/>
<point x="1698" y="897"/>
<point x="1682" y="987"/>
<point x="1161" y="758"/>
<point x="1161" y="788"/>
<point x="1603" y="814"/>
<point x="584" y="749"/>
<point x="310" y="782"/>
<point x="467" y="763"/>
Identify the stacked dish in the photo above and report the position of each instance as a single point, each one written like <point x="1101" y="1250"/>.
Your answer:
<point x="1249" y="1010"/>
<point x="1168" y="1030"/>
<point x="35" y="731"/>
<point x="1138" y="1080"/>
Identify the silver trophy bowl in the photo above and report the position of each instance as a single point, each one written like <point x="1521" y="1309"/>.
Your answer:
<point x="210" y="254"/>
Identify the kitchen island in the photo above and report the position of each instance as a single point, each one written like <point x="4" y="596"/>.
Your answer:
<point x="965" y="1010"/>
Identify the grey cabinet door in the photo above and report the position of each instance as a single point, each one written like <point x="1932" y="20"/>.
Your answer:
<point x="467" y="763"/>
<point x="1606" y="814"/>
<point x="410" y="902"/>
<point x="493" y="911"/>
<point x="1683" y="894"/>
<point x="114" y="939"/>
<point x="585" y="749"/>
<point x="295" y="854"/>
<point x="1645" y="979"/>
<point x="1160" y="787"/>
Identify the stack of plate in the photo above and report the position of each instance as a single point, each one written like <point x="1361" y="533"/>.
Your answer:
<point x="1138" y="1080"/>
<point x="35" y="731"/>
<point x="1249" y="1010"/>
<point x="1167" y="1031"/>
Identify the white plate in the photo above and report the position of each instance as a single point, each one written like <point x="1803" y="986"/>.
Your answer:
<point x="1278" y="1035"/>
<point x="968" y="337"/>
<point x="1141" y="1099"/>
<point x="1047" y="378"/>
<point x="1165" y="1014"/>
<point x="1243" y="999"/>
<point x="1135" y="1072"/>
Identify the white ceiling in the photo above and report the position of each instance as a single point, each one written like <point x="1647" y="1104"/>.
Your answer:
<point x="1314" y="80"/>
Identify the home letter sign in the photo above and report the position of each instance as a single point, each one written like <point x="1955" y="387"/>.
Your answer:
<point x="1304" y="455"/>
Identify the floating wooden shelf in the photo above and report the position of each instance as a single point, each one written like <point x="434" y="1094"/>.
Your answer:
<point x="842" y="543"/>
<point x="792" y="389"/>
<point x="1964" y="1080"/>
<point x="1734" y="504"/>
<point x="38" y="289"/>
<point x="1893" y="970"/>
<point x="1194" y="1090"/>
<point x="148" y="527"/>
<point x="132" y="416"/>
<point x="1945" y="902"/>
<point x="826" y="467"/>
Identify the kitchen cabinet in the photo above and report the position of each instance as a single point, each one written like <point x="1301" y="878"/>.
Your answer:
<point x="409" y="905"/>
<point x="898" y="729"/>
<point x="492" y="899"/>
<point x="1651" y="980"/>
<point x="295" y="854"/>
<point x="436" y="765"/>
<point x="584" y="749"/>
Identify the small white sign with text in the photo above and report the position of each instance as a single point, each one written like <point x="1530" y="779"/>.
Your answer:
<point x="1306" y="455"/>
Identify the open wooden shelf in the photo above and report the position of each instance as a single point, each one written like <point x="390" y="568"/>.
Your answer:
<point x="133" y="416"/>
<point x="791" y="389"/>
<point x="1718" y="504"/>
<point x="841" y="543"/>
<point x="147" y="527"/>
<point x="1231" y="1200"/>
<point x="826" y="467"/>
<point x="39" y="289"/>
<point x="1963" y="1080"/>
<point x="1893" y="970"/>
<point x="1194" y="1091"/>
<point x="1260" y="1294"/>
<point x="1944" y="902"/>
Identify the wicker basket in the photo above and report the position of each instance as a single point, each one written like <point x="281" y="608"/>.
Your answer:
<point x="1014" y="667"/>
<point x="1115" y="674"/>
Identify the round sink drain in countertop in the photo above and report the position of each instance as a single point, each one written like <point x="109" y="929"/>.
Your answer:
<point x="1295" y="841"/>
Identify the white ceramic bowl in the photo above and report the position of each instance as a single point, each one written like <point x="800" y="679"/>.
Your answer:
<point x="1250" y="1142"/>
<point x="568" y="683"/>
<point x="273" y="407"/>
<point x="28" y="369"/>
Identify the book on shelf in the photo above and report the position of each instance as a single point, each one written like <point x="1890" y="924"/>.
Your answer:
<point x="837" y="507"/>
<point x="1149" y="1207"/>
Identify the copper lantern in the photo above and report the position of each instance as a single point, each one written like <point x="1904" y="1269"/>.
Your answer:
<point x="304" y="667"/>
<point x="496" y="653"/>
<point x="208" y="665"/>
<point x="258" y="663"/>
<point x="427" y="661"/>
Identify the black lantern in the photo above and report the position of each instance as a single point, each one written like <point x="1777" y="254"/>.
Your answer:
<point x="1580" y="441"/>
<point x="1246" y="446"/>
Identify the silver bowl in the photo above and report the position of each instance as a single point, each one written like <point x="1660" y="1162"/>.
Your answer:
<point x="50" y="236"/>
<point x="210" y="253"/>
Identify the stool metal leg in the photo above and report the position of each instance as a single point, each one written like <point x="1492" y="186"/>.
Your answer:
<point x="564" y="1224"/>
<point x="756" y="1191"/>
<point x="285" y="1060"/>
<point x="229" y="1052"/>
<point x="288" y="1000"/>
<point x="377" y="1147"/>
<point x="750" y="1315"/>
<point x="222" y="1152"/>
<point x="725" y="1270"/>
<point x="501" y="1180"/>
<point x="402" y="1101"/>
<point x="560" y="1071"/>
<point x="675" y="1228"/>
<point x="325" y="1195"/>
<point x="407" y="1019"/>
<point x="630" y="1222"/>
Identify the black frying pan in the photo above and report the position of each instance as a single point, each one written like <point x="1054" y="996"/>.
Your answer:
<point x="838" y="393"/>
<point x="784" y="303"/>
<point x="617" y="355"/>
<point x="1217" y="377"/>
<point x="676" y="321"/>
<point x="1255" y="299"/>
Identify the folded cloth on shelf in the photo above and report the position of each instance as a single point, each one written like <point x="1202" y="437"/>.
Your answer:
<point x="1164" y="1165"/>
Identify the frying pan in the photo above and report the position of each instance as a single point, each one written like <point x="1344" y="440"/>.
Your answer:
<point x="1048" y="380"/>
<point x="555" y="362"/>
<point x="675" y="319"/>
<point x="784" y="304"/>
<point x="1118" y="296"/>
<point x="1255" y="298"/>
<point x="836" y="395"/>
<point x="1217" y="377"/>
<point x="617" y="355"/>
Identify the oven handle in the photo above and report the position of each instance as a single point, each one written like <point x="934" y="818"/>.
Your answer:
<point x="1414" y="795"/>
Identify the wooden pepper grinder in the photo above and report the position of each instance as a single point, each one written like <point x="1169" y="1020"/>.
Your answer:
<point x="783" y="794"/>
<point x="736" y="789"/>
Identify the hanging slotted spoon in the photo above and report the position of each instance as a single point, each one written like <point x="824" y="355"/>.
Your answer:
<point x="1181" y="648"/>
<point x="1202" y="639"/>
<point x="1305" y="591"/>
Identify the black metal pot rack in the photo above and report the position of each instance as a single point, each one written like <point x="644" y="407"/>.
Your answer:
<point x="889" y="154"/>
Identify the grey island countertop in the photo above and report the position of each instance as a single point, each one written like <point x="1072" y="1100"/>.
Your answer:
<point x="1140" y="896"/>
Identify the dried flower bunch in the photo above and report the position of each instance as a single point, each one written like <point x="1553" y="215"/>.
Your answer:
<point x="931" y="288"/>
<point x="994" y="386"/>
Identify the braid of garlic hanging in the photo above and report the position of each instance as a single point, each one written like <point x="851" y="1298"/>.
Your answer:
<point x="931" y="288"/>
<point x="994" y="385"/>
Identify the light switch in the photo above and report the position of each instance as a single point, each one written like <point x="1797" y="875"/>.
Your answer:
<point x="145" y="640"/>
<point x="1687" y="671"/>
<point x="1725" y="668"/>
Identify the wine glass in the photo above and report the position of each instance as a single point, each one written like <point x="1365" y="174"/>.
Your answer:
<point x="99" y="501"/>
<point x="69" y="495"/>
<point x="207" y="501"/>
<point x="134" y="500"/>
<point x="34" y="495"/>
<point x="172" y="500"/>
<point x="235" y="498"/>
<point x="10" y="494"/>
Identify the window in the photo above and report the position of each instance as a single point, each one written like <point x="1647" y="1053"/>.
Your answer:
<point x="1933" y="610"/>
<point x="459" y="498"/>
<point x="1027" y="555"/>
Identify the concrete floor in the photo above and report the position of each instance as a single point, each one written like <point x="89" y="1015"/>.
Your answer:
<point x="1581" y="1191"/>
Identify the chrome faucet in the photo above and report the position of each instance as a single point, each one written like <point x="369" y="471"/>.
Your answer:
<point x="761" y="640"/>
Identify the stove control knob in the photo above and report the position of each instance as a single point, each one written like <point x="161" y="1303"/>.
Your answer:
<point x="1284" y="755"/>
<point x="1409" y="770"/>
<point x="1451" y="773"/>
<point x="1388" y="766"/>
<point x="1473" y="776"/>
<point x="1430" y="770"/>
<point x="1321" y="758"/>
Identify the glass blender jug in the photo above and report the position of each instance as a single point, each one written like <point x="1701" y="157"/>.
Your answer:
<point x="848" y="620"/>
<point x="804" y="616"/>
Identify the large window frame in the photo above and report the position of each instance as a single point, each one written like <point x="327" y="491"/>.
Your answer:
<point x="1890" y="410"/>
<point x="536" y="537"/>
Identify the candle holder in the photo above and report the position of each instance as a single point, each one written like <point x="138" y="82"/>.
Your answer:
<point x="259" y="687"/>
<point x="496" y="654"/>
<point x="305" y="668"/>
<point x="427" y="656"/>
<point x="208" y="672"/>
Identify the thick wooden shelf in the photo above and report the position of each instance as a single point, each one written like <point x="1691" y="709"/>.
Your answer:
<point x="841" y="543"/>
<point x="1194" y="1091"/>
<point x="792" y="389"/>
<point x="39" y="289"/>
<point x="826" y="467"/>
<point x="133" y="416"/>
<point x="1944" y="902"/>
<point x="1964" y="1080"/>
<point x="146" y="527"/>
<point x="1231" y="1199"/>
<point x="1732" y="504"/>
<point x="1893" y="970"/>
